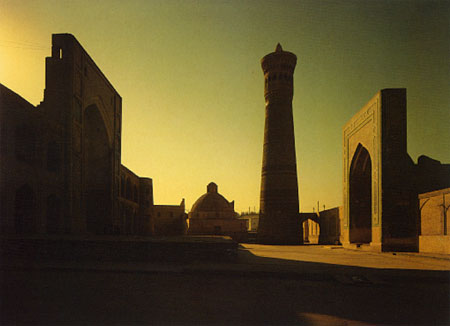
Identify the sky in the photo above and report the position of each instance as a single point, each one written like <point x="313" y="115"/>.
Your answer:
<point x="192" y="86"/>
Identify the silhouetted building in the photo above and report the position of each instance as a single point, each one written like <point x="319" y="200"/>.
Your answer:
<point x="431" y="174"/>
<point x="135" y="204"/>
<point x="170" y="219"/>
<point x="60" y="167"/>
<point x="212" y="214"/>
<point x="279" y="221"/>
<point x="381" y="182"/>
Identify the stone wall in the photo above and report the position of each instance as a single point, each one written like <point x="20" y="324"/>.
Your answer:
<point x="23" y="165"/>
<point x="330" y="225"/>
<point x="311" y="231"/>
<point x="252" y="221"/>
<point x="232" y="227"/>
<point x="135" y="202"/>
<point x="434" y="222"/>
<point x="322" y="228"/>
<point x="170" y="219"/>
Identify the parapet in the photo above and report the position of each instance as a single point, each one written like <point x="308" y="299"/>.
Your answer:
<point x="279" y="60"/>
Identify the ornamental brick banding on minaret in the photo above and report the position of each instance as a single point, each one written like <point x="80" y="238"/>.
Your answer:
<point x="279" y="206"/>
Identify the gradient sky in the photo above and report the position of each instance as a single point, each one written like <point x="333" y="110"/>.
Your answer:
<point x="192" y="86"/>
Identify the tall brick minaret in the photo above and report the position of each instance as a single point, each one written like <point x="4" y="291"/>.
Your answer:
<point x="279" y="221"/>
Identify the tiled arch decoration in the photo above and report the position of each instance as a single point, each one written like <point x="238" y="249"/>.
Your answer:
<point x="364" y="129"/>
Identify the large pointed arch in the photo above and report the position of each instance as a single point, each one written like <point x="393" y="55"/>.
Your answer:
<point x="97" y="162"/>
<point x="360" y="191"/>
<point x="107" y="121"/>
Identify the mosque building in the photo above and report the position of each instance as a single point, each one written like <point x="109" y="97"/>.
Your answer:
<point x="212" y="214"/>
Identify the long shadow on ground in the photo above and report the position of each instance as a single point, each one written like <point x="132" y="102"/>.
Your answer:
<point x="247" y="290"/>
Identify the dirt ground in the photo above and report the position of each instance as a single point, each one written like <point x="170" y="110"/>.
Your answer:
<point x="269" y="285"/>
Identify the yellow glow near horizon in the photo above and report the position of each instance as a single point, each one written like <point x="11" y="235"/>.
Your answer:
<point x="192" y="86"/>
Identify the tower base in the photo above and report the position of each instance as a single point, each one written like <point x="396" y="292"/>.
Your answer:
<point x="277" y="229"/>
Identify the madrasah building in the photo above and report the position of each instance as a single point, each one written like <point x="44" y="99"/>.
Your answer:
<point x="61" y="170"/>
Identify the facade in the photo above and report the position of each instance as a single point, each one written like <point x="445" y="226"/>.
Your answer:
<point x="330" y="226"/>
<point x="381" y="182"/>
<point x="311" y="227"/>
<point x="323" y="227"/>
<point x="136" y="207"/>
<point x="434" y="235"/>
<point x="61" y="168"/>
<point x="212" y="214"/>
<point x="170" y="219"/>
<point x="377" y="193"/>
<point x="252" y="221"/>
<point x="279" y="206"/>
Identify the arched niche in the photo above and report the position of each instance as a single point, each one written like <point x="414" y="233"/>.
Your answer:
<point x="360" y="193"/>
<point x="97" y="161"/>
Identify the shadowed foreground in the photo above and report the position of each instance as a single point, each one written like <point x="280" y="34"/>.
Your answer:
<point x="250" y="290"/>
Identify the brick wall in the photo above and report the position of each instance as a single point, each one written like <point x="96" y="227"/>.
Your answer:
<point x="434" y="225"/>
<point x="434" y="212"/>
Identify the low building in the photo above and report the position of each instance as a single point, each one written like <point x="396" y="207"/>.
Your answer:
<point x="170" y="219"/>
<point x="251" y="220"/>
<point x="311" y="227"/>
<point x="135" y="204"/>
<point x="212" y="214"/>
<point x="330" y="228"/>
<point x="434" y="233"/>
<point x="323" y="227"/>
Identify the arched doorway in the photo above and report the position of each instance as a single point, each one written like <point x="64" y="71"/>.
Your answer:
<point x="24" y="210"/>
<point x="97" y="172"/>
<point x="361" y="197"/>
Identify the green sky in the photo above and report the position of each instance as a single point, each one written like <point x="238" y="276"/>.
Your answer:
<point x="192" y="86"/>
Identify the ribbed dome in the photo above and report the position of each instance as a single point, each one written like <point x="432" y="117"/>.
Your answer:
<point x="212" y="201"/>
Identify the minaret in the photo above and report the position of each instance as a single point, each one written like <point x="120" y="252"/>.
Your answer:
<point x="279" y="221"/>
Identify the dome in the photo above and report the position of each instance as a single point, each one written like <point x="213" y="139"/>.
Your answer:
<point x="212" y="202"/>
